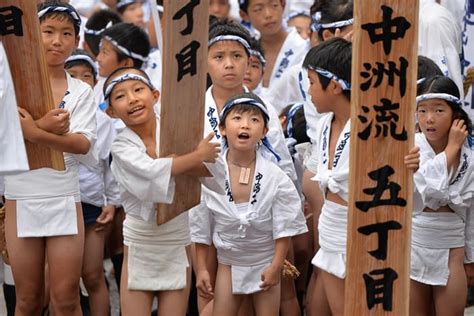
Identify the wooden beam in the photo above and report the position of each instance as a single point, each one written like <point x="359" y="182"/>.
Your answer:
<point x="29" y="71"/>
<point x="384" y="71"/>
<point x="183" y="93"/>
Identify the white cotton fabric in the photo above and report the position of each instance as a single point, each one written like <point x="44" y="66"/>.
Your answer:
<point x="292" y="52"/>
<point x="12" y="154"/>
<point x="336" y="178"/>
<point x="439" y="38"/>
<point x="143" y="181"/>
<point x="153" y="68"/>
<point x="332" y="227"/>
<point x="244" y="237"/>
<point x="433" y="234"/>
<point x="97" y="185"/>
<point x="157" y="259"/>
<point x="436" y="187"/>
<point x="44" y="189"/>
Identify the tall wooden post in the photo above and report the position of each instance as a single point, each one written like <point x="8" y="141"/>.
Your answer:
<point x="24" y="48"/>
<point x="384" y="69"/>
<point x="183" y="93"/>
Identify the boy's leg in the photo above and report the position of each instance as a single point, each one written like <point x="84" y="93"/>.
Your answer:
<point x="288" y="300"/>
<point x="334" y="289"/>
<point x="317" y="301"/>
<point x="420" y="299"/>
<point x="64" y="255"/>
<point x="451" y="299"/>
<point x="27" y="259"/>
<point x="175" y="303"/>
<point x="266" y="303"/>
<point x="225" y="303"/>
<point x="133" y="302"/>
<point x="93" y="271"/>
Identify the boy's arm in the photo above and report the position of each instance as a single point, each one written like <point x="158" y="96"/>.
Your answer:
<point x="71" y="143"/>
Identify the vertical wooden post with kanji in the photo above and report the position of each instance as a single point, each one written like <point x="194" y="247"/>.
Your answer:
<point x="183" y="93"/>
<point x="384" y="69"/>
<point x="21" y="37"/>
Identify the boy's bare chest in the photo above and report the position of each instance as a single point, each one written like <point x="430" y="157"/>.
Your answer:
<point x="241" y="190"/>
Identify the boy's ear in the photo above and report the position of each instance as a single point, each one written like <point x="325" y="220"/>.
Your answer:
<point x="244" y="16"/>
<point x="283" y="3"/>
<point x="76" y="42"/>
<point x="156" y="95"/>
<point x="128" y="62"/>
<point x="265" y="131"/>
<point x="222" y="130"/>
<point x="335" y="87"/>
<point x="327" y="35"/>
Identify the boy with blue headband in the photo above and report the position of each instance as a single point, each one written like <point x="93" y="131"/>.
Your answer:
<point x="44" y="216"/>
<point x="251" y="224"/>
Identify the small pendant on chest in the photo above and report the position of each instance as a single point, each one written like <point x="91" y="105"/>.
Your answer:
<point x="244" y="175"/>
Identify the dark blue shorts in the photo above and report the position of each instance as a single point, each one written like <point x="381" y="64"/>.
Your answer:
<point x="90" y="213"/>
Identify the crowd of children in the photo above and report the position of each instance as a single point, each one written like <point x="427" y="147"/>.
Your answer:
<point x="273" y="162"/>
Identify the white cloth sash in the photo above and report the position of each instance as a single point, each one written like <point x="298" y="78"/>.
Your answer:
<point x="333" y="227"/>
<point x="440" y="230"/>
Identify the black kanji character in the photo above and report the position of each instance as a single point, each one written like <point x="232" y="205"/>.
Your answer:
<point x="379" y="71"/>
<point x="187" y="61"/>
<point x="10" y="21"/>
<point x="385" y="120"/>
<point x="380" y="290"/>
<point x="188" y="11"/>
<point x="387" y="35"/>
<point x="381" y="176"/>
<point x="382" y="230"/>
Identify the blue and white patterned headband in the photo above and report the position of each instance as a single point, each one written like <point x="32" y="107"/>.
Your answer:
<point x="72" y="13"/>
<point x="289" y="118"/>
<point x="122" y="78"/>
<point x="442" y="96"/>
<point x="97" y="32"/>
<point x="236" y="38"/>
<point x="251" y="101"/>
<point x="228" y="106"/>
<point x="124" y="50"/>
<point x="82" y="57"/>
<point x="260" y="57"/>
<point x="420" y="81"/>
<point x="325" y="73"/>
<point x="316" y="26"/>
<point x="121" y="4"/>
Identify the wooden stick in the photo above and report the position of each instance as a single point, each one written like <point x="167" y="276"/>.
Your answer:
<point x="31" y="80"/>
<point x="183" y="95"/>
<point x="377" y="281"/>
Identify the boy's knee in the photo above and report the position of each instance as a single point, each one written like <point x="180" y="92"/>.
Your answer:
<point x="93" y="280"/>
<point x="65" y="299"/>
<point x="29" y="304"/>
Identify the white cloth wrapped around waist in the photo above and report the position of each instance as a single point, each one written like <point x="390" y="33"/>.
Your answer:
<point x="43" y="183"/>
<point x="253" y="249"/>
<point x="174" y="232"/>
<point x="438" y="230"/>
<point x="333" y="227"/>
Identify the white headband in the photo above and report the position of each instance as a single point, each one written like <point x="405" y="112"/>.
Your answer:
<point x="121" y="4"/>
<point x="73" y="14"/>
<point x="325" y="73"/>
<point x="443" y="96"/>
<point x="122" y="78"/>
<point x="124" y="50"/>
<point x="316" y="26"/>
<point x="97" y="32"/>
<point x="257" y="54"/>
<point x="82" y="57"/>
<point x="230" y="38"/>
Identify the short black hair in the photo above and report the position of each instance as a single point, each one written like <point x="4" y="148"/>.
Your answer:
<point x="256" y="46"/>
<point x="443" y="84"/>
<point x="132" y="38"/>
<point x="427" y="68"/>
<point x="73" y="63"/>
<point x="59" y="15"/>
<point x="299" y="124"/>
<point x="333" y="55"/>
<point x="97" y="22"/>
<point x="332" y="11"/>
<point x="228" y="27"/>
<point x="122" y="9"/>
